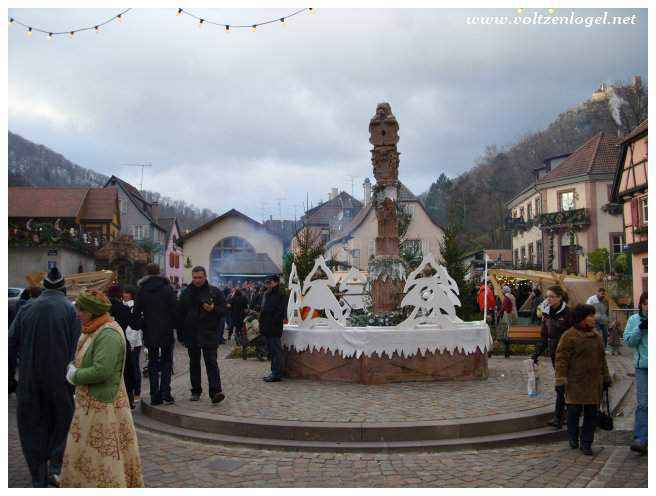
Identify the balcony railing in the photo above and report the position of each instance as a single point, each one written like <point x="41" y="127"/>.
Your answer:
<point x="567" y="219"/>
<point x="48" y="234"/>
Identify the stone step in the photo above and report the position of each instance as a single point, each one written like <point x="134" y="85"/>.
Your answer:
<point x="543" y="434"/>
<point x="499" y="429"/>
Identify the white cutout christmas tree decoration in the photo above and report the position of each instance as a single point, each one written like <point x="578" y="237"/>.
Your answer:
<point x="294" y="303"/>
<point x="434" y="298"/>
<point x="353" y="287"/>
<point x="318" y="296"/>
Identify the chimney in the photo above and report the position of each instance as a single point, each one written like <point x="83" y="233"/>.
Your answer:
<point x="154" y="210"/>
<point x="637" y="82"/>
<point x="367" y="191"/>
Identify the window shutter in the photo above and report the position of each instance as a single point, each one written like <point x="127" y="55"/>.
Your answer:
<point x="171" y="260"/>
<point x="635" y="216"/>
<point x="177" y="261"/>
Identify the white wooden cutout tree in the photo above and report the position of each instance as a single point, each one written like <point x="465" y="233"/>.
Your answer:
<point x="318" y="296"/>
<point x="434" y="298"/>
<point x="294" y="303"/>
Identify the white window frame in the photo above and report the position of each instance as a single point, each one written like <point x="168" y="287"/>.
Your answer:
<point x="123" y="206"/>
<point x="644" y="210"/>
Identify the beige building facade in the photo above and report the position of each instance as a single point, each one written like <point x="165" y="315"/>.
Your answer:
<point x="567" y="213"/>
<point x="233" y="247"/>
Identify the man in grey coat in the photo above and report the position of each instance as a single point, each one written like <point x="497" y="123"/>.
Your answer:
<point x="42" y="338"/>
<point x="600" y="302"/>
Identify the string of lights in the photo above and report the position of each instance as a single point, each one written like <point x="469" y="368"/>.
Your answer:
<point x="96" y="27"/>
<point x="119" y="18"/>
<point x="202" y="21"/>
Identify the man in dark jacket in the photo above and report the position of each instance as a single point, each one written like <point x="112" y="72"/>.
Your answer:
<point x="271" y="321"/>
<point x="199" y="310"/>
<point x="44" y="335"/>
<point x="154" y="313"/>
<point x="238" y="305"/>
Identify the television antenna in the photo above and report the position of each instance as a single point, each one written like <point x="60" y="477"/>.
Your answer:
<point x="142" y="165"/>
<point x="279" y="201"/>
<point x="352" y="178"/>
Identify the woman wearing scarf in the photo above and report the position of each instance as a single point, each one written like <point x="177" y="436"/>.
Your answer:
<point x="556" y="319"/>
<point x="102" y="449"/>
<point x="636" y="336"/>
<point x="582" y="374"/>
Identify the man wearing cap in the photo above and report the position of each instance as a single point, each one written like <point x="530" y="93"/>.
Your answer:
<point x="44" y="335"/>
<point x="271" y="321"/>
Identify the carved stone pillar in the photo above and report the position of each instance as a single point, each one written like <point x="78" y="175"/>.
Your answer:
<point x="386" y="268"/>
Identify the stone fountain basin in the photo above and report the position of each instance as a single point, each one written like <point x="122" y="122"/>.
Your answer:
<point x="379" y="355"/>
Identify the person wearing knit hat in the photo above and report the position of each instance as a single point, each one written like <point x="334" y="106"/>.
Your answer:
<point x="44" y="334"/>
<point x="101" y="404"/>
<point x="54" y="279"/>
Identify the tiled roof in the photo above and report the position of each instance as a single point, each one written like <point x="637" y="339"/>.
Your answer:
<point x="324" y="213"/>
<point x="100" y="204"/>
<point x="61" y="203"/>
<point x="638" y="130"/>
<point x="229" y="213"/>
<point x="166" y="223"/>
<point x="598" y="155"/>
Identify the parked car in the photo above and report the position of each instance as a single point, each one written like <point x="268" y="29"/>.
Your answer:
<point x="14" y="295"/>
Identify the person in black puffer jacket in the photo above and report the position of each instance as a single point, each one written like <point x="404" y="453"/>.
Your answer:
<point x="154" y="313"/>
<point x="200" y="308"/>
<point x="556" y="319"/>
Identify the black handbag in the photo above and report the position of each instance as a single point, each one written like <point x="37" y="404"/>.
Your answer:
<point x="604" y="418"/>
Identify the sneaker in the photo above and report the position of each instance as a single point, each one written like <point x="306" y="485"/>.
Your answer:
<point x="555" y="423"/>
<point x="270" y="378"/>
<point x="587" y="450"/>
<point x="194" y="397"/>
<point x="218" y="398"/>
<point x="156" y="401"/>
<point x="573" y="444"/>
<point x="137" y="398"/>
<point x="168" y="400"/>
<point x="639" y="447"/>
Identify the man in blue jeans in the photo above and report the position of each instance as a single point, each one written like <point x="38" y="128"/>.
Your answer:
<point x="636" y="336"/>
<point x="272" y="316"/>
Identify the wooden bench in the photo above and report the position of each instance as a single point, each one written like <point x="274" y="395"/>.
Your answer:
<point x="521" y="334"/>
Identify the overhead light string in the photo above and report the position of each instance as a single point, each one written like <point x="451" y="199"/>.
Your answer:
<point x="253" y="27"/>
<point x="71" y="32"/>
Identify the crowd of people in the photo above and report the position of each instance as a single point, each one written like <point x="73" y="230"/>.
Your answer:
<point x="577" y="341"/>
<point x="79" y="371"/>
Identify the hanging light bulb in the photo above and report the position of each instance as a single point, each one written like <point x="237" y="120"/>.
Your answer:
<point x="311" y="10"/>
<point x="179" y="12"/>
<point x="200" y="23"/>
<point x="119" y="18"/>
<point x="71" y="34"/>
<point x="97" y="28"/>
<point x="29" y="31"/>
<point x="49" y="36"/>
<point x="11" y="21"/>
<point x="227" y="30"/>
<point x="254" y="27"/>
<point x="520" y="11"/>
<point x="282" y="20"/>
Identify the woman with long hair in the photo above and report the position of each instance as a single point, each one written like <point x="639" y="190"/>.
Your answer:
<point x="637" y="337"/>
<point x="556" y="319"/>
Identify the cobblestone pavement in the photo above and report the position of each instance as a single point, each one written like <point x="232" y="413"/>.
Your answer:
<point x="247" y="396"/>
<point x="170" y="462"/>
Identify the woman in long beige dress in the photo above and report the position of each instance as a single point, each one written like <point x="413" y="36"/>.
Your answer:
<point x="102" y="448"/>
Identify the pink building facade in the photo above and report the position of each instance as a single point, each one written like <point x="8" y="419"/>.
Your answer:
<point x="630" y="189"/>
<point x="174" y="260"/>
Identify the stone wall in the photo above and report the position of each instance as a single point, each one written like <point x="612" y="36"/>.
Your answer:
<point x="25" y="260"/>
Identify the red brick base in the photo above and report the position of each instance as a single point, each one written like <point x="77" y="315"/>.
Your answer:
<point x="326" y="366"/>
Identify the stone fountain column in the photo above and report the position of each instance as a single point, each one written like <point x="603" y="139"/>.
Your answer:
<point x="386" y="270"/>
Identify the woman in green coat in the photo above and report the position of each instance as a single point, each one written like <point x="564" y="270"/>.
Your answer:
<point x="102" y="449"/>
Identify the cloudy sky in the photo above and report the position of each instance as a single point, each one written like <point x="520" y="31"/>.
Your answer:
<point x="247" y="120"/>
